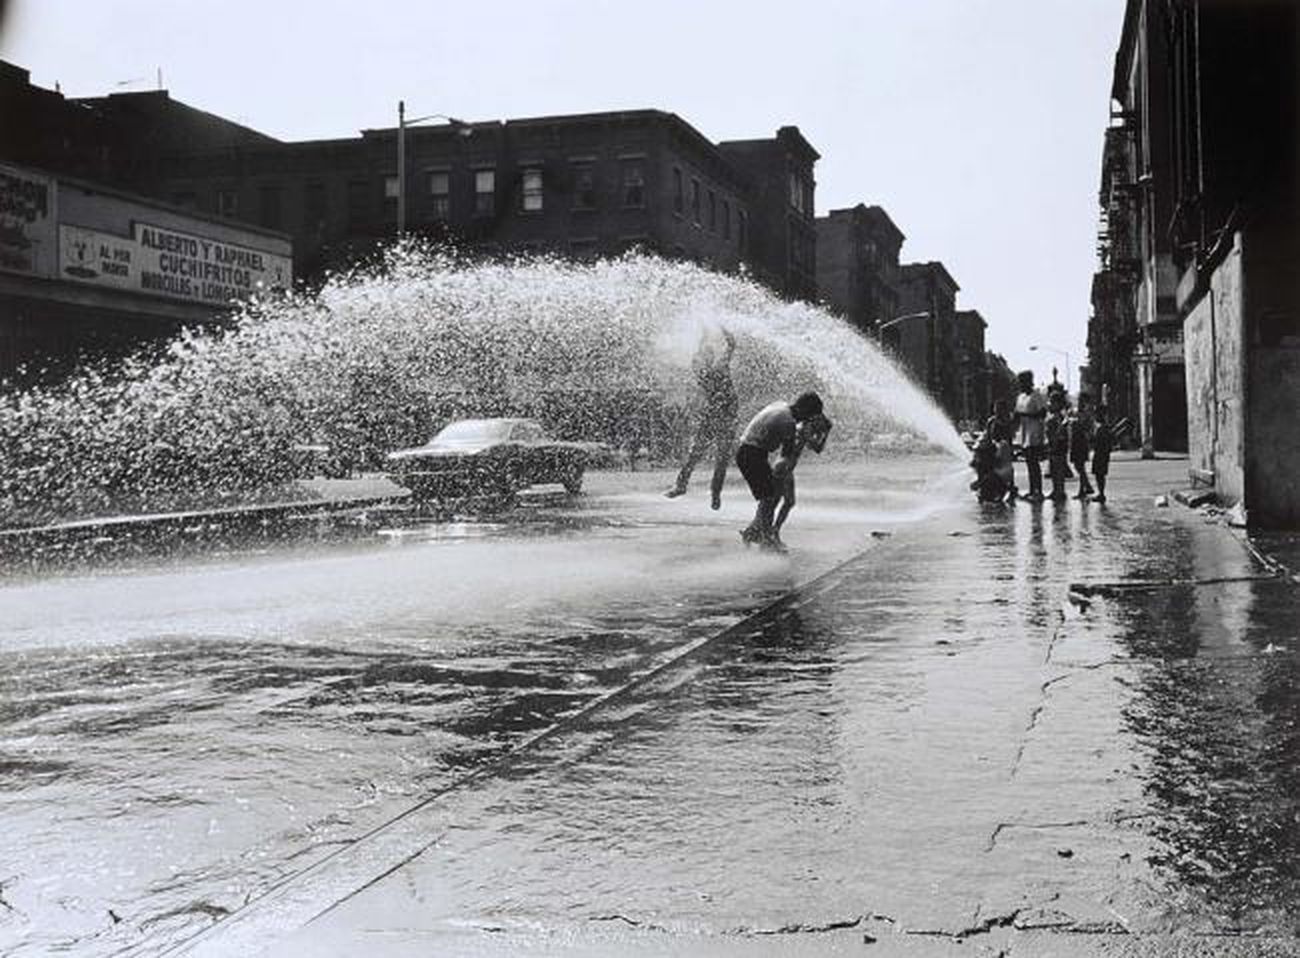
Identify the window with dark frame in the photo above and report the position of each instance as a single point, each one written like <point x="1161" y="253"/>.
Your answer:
<point x="726" y="219"/>
<point x="440" y="194"/>
<point x="679" y="197"/>
<point x="713" y="212"/>
<point x="742" y="229"/>
<point x="695" y="200"/>
<point x="532" y="196"/>
<point x="228" y="203"/>
<point x="584" y="186"/>
<point x="485" y="192"/>
<point x="633" y="184"/>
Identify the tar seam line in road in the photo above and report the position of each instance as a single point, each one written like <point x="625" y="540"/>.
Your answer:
<point x="795" y="598"/>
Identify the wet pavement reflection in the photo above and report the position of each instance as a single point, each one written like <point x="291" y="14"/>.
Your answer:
<point x="183" y="727"/>
<point x="1004" y="721"/>
<point x="617" y="731"/>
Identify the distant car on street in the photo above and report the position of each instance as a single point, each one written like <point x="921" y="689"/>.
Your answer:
<point x="489" y="457"/>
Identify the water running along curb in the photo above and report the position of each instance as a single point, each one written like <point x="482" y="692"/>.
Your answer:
<point x="254" y="926"/>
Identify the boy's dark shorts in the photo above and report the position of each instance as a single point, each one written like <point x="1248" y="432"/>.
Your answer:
<point x="756" y="469"/>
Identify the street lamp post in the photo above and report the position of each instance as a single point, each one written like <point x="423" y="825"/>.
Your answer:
<point x="463" y="129"/>
<point x="1061" y="352"/>
<point x="900" y="319"/>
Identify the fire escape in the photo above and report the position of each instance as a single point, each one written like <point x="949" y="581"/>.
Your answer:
<point x="1113" y="334"/>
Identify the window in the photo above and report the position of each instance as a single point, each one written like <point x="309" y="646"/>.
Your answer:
<point x="713" y="212"/>
<point x="390" y="187"/>
<point x="695" y="201"/>
<point x="532" y="196"/>
<point x="187" y="200"/>
<point x="227" y="203"/>
<point x="742" y="229"/>
<point x="268" y="201"/>
<point x="633" y="184"/>
<point x="440" y="194"/>
<point x="584" y="187"/>
<point x="313" y="206"/>
<point x="679" y="198"/>
<point x="796" y="192"/>
<point x="726" y="220"/>
<point x="485" y="188"/>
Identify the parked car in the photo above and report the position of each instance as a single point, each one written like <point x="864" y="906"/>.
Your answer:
<point x="489" y="457"/>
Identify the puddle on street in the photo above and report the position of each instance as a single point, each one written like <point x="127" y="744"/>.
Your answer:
<point x="182" y="730"/>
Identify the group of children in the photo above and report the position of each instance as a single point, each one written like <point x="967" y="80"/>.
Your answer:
<point x="1069" y="437"/>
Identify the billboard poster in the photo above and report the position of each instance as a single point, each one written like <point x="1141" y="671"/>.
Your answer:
<point x="96" y="257"/>
<point x="170" y="263"/>
<point x="27" y="219"/>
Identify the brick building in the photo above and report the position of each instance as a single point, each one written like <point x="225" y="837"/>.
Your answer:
<point x="583" y="185"/>
<point x="857" y="265"/>
<point x="1196" y="301"/>
<point x="117" y="140"/>
<point x="590" y="184"/>
<point x="926" y="342"/>
<point x="783" y="237"/>
<point x="1134" y="306"/>
<point x="974" y="394"/>
<point x="1234" y="92"/>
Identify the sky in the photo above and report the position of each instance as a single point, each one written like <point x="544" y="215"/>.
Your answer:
<point x="976" y="124"/>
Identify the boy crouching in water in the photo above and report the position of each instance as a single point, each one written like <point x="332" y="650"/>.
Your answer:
<point x="774" y="428"/>
<point x="813" y="434"/>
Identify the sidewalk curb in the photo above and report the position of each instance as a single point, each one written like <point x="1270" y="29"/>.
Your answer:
<point x="173" y="523"/>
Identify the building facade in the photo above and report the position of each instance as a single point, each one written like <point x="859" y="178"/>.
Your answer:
<point x="1234" y="87"/>
<point x="1196" y="302"/>
<point x="857" y="265"/>
<point x="1138" y="321"/>
<point x="974" y="387"/>
<point x="783" y="234"/>
<point x="924" y="335"/>
<point x="584" y="185"/>
<point x="88" y="272"/>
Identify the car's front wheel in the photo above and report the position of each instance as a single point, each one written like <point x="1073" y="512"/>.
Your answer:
<point x="572" y="479"/>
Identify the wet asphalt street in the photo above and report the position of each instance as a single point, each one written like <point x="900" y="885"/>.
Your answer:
<point x="1043" y="730"/>
<point x="188" y="721"/>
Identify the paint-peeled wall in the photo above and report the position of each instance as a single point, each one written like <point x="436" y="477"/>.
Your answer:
<point x="1213" y="343"/>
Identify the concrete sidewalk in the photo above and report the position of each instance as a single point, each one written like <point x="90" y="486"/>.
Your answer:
<point x="1028" y="730"/>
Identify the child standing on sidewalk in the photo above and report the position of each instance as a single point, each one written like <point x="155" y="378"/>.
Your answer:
<point x="1102" y="441"/>
<point x="1078" y="427"/>
<point x="1058" y="444"/>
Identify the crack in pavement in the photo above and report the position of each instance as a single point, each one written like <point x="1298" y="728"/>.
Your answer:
<point x="1086" y="590"/>
<point x="1005" y="920"/>
<point x="1001" y="826"/>
<point x="1024" y="741"/>
<point x="1075" y="823"/>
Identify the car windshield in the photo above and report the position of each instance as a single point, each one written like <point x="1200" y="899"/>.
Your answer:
<point x="475" y="430"/>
